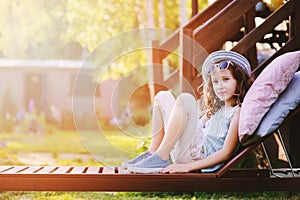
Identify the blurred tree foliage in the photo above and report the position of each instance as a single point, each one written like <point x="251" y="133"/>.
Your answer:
<point x="94" y="21"/>
<point x="31" y="28"/>
<point x="65" y="28"/>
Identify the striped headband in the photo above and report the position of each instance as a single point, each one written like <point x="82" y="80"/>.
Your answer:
<point x="223" y="55"/>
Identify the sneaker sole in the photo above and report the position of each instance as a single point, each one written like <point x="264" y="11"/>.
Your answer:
<point x="125" y="165"/>
<point x="144" y="170"/>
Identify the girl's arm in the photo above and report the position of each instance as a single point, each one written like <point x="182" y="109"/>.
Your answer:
<point x="220" y="156"/>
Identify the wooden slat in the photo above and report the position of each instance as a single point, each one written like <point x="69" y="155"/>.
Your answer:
<point x="108" y="170"/>
<point x="77" y="170"/>
<point x="5" y="168"/>
<point x="63" y="170"/>
<point x="15" y="169"/>
<point x="93" y="170"/>
<point x="47" y="170"/>
<point x="30" y="169"/>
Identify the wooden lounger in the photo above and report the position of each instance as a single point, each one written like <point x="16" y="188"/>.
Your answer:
<point x="80" y="178"/>
<point x="97" y="178"/>
<point x="92" y="178"/>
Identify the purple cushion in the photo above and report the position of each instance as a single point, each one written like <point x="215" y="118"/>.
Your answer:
<point x="265" y="91"/>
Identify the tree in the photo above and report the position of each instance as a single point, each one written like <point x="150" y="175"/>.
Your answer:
<point x="92" y="23"/>
<point x="45" y="28"/>
<point x="31" y="28"/>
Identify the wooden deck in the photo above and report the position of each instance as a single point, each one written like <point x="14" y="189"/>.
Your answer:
<point x="91" y="178"/>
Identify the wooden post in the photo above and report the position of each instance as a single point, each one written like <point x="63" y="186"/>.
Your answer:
<point x="293" y="128"/>
<point x="194" y="7"/>
<point x="249" y="24"/>
<point x="186" y="56"/>
<point x="294" y="29"/>
<point x="156" y="72"/>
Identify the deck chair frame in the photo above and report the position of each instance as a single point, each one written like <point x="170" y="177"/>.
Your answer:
<point x="96" y="178"/>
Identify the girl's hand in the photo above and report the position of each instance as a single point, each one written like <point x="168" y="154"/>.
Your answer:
<point x="176" y="168"/>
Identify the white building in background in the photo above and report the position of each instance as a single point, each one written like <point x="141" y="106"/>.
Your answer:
<point x="50" y="83"/>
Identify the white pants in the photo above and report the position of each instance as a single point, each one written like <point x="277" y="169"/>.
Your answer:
<point x="190" y="140"/>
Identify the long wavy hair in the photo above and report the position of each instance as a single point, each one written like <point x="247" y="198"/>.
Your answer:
<point x="211" y="103"/>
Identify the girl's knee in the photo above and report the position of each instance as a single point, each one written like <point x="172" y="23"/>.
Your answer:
<point x="187" y="102"/>
<point x="186" y="97"/>
<point x="161" y="95"/>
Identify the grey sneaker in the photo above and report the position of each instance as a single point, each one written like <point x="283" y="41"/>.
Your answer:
<point x="151" y="164"/>
<point x="140" y="157"/>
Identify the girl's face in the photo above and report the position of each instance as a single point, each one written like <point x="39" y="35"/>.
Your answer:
<point x="224" y="85"/>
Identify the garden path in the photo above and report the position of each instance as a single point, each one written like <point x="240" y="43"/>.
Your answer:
<point x="48" y="158"/>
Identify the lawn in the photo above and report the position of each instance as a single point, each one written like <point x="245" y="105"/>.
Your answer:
<point x="110" y="148"/>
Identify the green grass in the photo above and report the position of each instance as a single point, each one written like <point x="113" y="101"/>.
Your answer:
<point x="54" y="143"/>
<point x="146" y="196"/>
<point x="113" y="147"/>
<point x="61" y="141"/>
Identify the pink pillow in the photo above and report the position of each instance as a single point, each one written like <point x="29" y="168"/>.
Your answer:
<point x="265" y="91"/>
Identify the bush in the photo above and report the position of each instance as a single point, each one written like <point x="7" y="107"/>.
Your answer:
<point x="7" y="123"/>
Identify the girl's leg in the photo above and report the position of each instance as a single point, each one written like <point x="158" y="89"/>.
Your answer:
<point x="178" y="132"/>
<point x="181" y="129"/>
<point x="163" y="103"/>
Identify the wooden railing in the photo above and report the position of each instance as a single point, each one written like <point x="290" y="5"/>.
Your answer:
<point x="210" y="29"/>
<point x="161" y="50"/>
<point x="289" y="11"/>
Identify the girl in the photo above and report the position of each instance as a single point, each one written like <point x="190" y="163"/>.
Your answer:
<point x="198" y="143"/>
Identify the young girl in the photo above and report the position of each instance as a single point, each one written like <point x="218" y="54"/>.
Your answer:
<point x="192" y="142"/>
